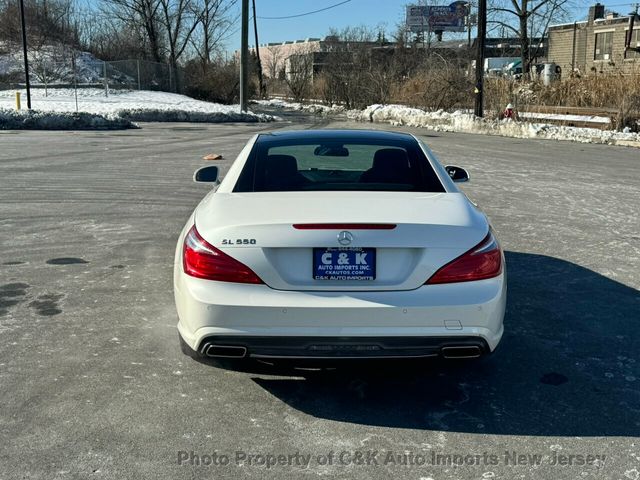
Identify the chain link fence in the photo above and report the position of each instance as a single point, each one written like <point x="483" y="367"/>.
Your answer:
<point x="84" y="71"/>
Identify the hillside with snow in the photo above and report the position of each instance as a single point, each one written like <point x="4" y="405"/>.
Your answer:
<point x="51" y="64"/>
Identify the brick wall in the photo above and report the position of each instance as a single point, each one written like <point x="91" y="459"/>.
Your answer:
<point x="561" y="47"/>
<point x="617" y="63"/>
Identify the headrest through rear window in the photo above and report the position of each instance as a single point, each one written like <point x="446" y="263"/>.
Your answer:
<point x="390" y="159"/>
<point x="284" y="165"/>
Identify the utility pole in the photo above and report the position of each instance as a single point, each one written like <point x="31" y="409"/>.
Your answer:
<point x="629" y="34"/>
<point x="469" y="25"/>
<point x="244" y="57"/>
<point x="26" y="60"/>
<point x="255" y="30"/>
<point x="75" y="78"/>
<point x="482" y="34"/>
<point x="573" y="48"/>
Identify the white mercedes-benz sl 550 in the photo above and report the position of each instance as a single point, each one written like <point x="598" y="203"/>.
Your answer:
<point x="338" y="244"/>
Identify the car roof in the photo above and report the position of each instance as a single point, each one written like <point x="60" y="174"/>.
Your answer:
<point x="335" y="134"/>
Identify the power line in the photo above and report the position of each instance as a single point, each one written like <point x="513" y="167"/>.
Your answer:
<point x="307" y="13"/>
<point x="236" y="21"/>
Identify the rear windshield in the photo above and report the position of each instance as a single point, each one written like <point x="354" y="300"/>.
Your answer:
<point x="301" y="165"/>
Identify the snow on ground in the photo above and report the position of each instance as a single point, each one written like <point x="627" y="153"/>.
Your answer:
<point x="562" y="117"/>
<point x="303" y="107"/>
<point x="142" y="105"/>
<point x="465" y="122"/>
<point x="35" y="120"/>
<point x="468" y="123"/>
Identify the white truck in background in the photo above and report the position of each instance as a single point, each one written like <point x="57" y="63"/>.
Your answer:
<point x="495" y="66"/>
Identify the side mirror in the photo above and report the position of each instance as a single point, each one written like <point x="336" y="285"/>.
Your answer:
<point x="457" y="174"/>
<point x="206" y="175"/>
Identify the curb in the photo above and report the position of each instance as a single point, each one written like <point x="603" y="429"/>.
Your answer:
<point x="627" y="143"/>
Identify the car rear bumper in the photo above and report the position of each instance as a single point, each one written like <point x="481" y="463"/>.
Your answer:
<point x="302" y="323"/>
<point x="338" y="348"/>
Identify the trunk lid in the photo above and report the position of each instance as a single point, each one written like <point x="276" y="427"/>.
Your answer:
<point x="257" y="229"/>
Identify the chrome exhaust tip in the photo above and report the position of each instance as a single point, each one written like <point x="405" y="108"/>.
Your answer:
<point x="461" y="351"/>
<point x="223" y="351"/>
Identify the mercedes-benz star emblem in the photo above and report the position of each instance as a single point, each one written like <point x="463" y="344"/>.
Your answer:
<point x="345" y="238"/>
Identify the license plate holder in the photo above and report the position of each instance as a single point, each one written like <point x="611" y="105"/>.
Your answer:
<point x="344" y="263"/>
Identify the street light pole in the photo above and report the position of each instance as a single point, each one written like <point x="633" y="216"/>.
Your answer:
<point x="244" y="57"/>
<point x="26" y="60"/>
<point x="482" y="34"/>
<point x="258" y="62"/>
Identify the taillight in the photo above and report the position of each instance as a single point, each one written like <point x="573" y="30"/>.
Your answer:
<point x="202" y="260"/>
<point x="481" y="262"/>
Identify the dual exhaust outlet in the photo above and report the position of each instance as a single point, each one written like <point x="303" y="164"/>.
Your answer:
<point x="238" y="351"/>
<point x="461" y="351"/>
<point x="223" y="351"/>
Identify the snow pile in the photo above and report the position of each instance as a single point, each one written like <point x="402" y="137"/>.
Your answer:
<point x="37" y="120"/>
<point x="142" y="105"/>
<point x="563" y="117"/>
<point x="315" y="108"/>
<point x="411" y="117"/>
<point x="168" y="115"/>
<point x="467" y="123"/>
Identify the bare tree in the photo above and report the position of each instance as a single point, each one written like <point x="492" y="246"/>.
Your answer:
<point x="49" y="21"/>
<point x="52" y="63"/>
<point x="110" y="39"/>
<point x="299" y="74"/>
<point x="527" y="19"/>
<point x="143" y="15"/>
<point x="213" y="27"/>
<point x="179" y="21"/>
<point x="273" y="61"/>
<point x="349" y="71"/>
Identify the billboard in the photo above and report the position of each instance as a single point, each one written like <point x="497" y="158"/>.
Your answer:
<point x="446" y="18"/>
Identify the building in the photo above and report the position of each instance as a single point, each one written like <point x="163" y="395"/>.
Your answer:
<point x="280" y="59"/>
<point x="273" y="56"/>
<point x="596" y="45"/>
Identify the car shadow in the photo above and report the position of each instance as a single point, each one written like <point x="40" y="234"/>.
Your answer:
<point x="568" y="365"/>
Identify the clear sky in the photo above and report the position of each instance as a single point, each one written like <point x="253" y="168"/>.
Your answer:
<point x="372" y="13"/>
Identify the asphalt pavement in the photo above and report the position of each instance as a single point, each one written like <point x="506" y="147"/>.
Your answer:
<point x="93" y="383"/>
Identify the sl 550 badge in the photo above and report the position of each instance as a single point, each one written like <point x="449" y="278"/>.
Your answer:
<point x="239" y="241"/>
